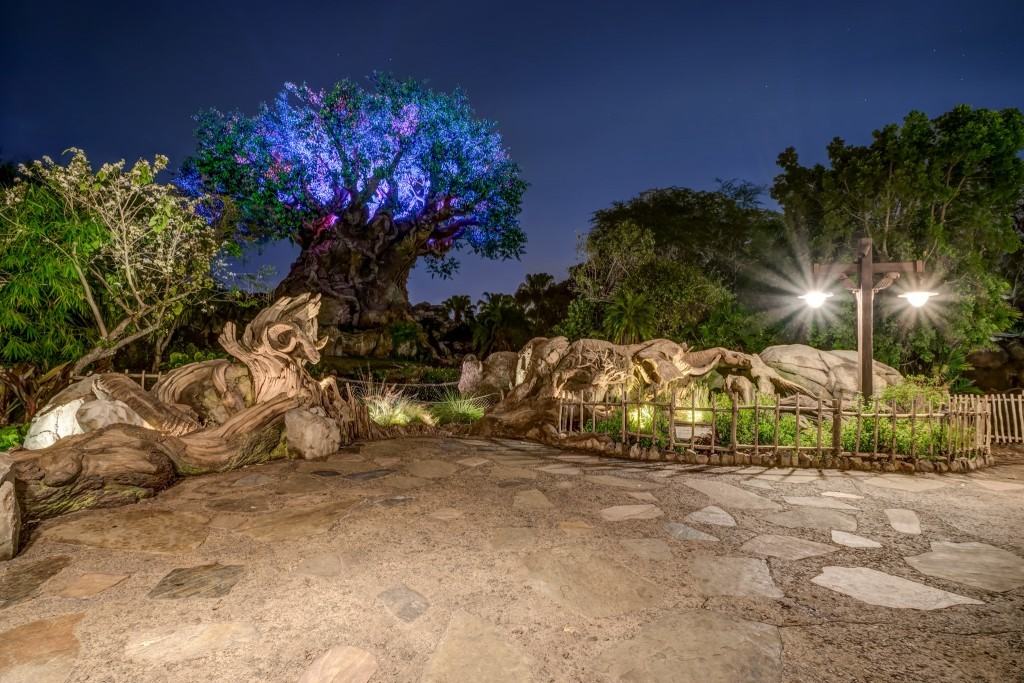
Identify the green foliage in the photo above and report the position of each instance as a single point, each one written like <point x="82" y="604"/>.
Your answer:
<point x="191" y="354"/>
<point x="580" y="320"/>
<point x="403" y="332"/>
<point x="44" y="316"/>
<point x="500" y="325"/>
<point x="11" y="436"/>
<point x="916" y="393"/>
<point x="389" y="406"/>
<point x="629" y="317"/>
<point x="454" y="408"/>
<point x="943" y="190"/>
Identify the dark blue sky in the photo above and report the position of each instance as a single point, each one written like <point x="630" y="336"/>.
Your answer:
<point x="597" y="100"/>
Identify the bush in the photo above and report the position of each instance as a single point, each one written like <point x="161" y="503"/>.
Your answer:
<point x="389" y="406"/>
<point x="454" y="408"/>
<point x="915" y="392"/>
<point x="11" y="436"/>
<point x="191" y="354"/>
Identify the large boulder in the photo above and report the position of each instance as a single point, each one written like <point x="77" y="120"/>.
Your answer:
<point x="55" y="422"/>
<point x="825" y="374"/>
<point x="493" y="376"/>
<point x="999" y="368"/>
<point x="103" y="412"/>
<point x="311" y="436"/>
<point x="10" y="511"/>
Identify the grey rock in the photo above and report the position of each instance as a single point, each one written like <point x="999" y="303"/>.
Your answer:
<point x="878" y="588"/>
<point x="976" y="564"/>
<point x="404" y="603"/>
<point x="311" y="436"/>
<point x="204" y="581"/>
<point x="682" y="532"/>
<point x="102" y="412"/>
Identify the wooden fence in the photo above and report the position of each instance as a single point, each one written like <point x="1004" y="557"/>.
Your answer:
<point x="961" y="426"/>
<point x="1007" y="417"/>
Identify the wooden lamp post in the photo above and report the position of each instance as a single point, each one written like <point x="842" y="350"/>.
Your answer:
<point x="864" y="290"/>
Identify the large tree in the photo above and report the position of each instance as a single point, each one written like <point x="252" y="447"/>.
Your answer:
<point x="943" y="190"/>
<point x="366" y="181"/>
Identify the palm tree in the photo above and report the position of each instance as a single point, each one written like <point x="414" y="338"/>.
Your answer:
<point x="459" y="307"/>
<point x="629" y="318"/>
<point x="500" y="325"/>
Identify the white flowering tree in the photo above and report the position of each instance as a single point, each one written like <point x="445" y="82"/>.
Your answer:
<point x="150" y="253"/>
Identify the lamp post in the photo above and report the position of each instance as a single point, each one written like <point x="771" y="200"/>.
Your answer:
<point x="864" y="291"/>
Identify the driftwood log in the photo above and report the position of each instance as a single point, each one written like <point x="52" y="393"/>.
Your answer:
<point x="552" y="369"/>
<point x="204" y="417"/>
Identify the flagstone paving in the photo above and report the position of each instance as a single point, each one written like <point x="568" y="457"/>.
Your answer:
<point x="426" y="559"/>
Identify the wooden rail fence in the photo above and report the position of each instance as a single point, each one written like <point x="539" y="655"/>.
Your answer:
<point x="1007" y="417"/>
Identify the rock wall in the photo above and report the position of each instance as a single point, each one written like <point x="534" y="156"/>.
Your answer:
<point x="1000" y="368"/>
<point x="825" y="374"/>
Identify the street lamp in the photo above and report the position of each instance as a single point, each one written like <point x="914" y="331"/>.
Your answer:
<point x="864" y="291"/>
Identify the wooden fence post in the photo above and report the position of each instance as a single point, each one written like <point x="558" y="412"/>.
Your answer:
<point x="837" y="426"/>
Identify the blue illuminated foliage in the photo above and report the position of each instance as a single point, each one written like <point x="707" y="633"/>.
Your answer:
<point x="396" y="155"/>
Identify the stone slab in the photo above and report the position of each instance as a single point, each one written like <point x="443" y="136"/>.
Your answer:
<point x="341" y="664"/>
<point x="288" y="524"/>
<point x="404" y="603"/>
<point x="682" y="532"/>
<point x="975" y="564"/>
<point x="38" y="651"/>
<point x="188" y="641"/>
<point x="623" y="482"/>
<point x="815" y="502"/>
<point x="589" y="584"/>
<point x="445" y="514"/>
<point x="325" y="564"/>
<point x="733" y="576"/>
<point x="878" y="588"/>
<point x="621" y="513"/>
<point x="22" y="580"/>
<point x="853" y="540"/>
<point x="431" y="469"/>
<point x="712" y="514"/>
<point x="513" y="538"/>
<point x="531" y="499"/>
<point x="643" y="495"/>
<point x="144" y="529"/>
<point x="474" y="461"/>
<point x="731" y="496"/>
<point x="785" y="547"/>
<point x="814" y="518"/>
<point x="716" y="648"/>
<point x="904" y="482"/>
<point x="475" y="650"/>
<point x="647" y="548"/>
<point x="84" y="585"/>
<point x="904" y="521"/>
<point x="205" y="581"/>
<point x="840" y="494"/>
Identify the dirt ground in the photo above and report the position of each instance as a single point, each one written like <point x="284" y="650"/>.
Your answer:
<point x="497" y="560"/>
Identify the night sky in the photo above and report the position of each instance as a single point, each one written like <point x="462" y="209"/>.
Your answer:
<point x="596" y="100"/>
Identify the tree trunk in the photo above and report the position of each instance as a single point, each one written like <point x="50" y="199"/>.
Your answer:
<point x="361" y="271"/>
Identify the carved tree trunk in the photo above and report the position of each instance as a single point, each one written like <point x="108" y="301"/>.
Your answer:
<point x="361" y="270"/>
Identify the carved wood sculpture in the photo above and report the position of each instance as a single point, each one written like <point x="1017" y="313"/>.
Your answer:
<point x="203" y="417"/>
<point x="553" y="369"/>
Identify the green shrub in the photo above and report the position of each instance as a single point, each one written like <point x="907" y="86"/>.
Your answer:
<point x="11" y="436"/>
<point x="915" y="392"/>
<point x="454" y="408"/>
<point x="389" y="406"/>
<point x="191" y="354"/>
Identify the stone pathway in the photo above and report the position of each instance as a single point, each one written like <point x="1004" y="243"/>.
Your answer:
<point x="429" y="559"/>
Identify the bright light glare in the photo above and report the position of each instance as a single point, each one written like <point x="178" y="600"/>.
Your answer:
<point x="918" y="299"/>
<point x="816" y="299"/>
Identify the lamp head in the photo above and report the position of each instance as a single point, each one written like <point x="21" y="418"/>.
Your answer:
<point x="816" y="299"/>
<point x="918" y="299"/>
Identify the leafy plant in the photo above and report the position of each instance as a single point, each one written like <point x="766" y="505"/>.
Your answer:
<point x="629" y="317"/>
<point x="11" y="436"/>
<point x="389" y="406"/>
<point x="454" y="408"/>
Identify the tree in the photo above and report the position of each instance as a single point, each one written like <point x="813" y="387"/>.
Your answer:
<point x="366" y="181"/>
<point x="140" y="252"/>
<point x="459" y="307"/>
<point x="500" y="325"/>
<point x="943" y="190"/>
<point x="629" y="318"/>
<point x="544" y="301"/>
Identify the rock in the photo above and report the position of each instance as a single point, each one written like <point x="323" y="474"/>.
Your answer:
<point x="531" y="499"/>
<point x="475" y="650"/>
<point x="589" y="584"/>
<point x="494" y="376"/>
<point x="839" y="494"/>
<point x="814" y="502"/>
<point x="301" y="523"/>
<point x="311" y="436"/>
<point x="143" y="529"/>
<point x="404" y="603"/>
<point x="40" y="651"/>
<point x="902" y="482"/>
<point x="181" y="643"/>
<point x="84" y="585"/>
<point x="565" y="470"/>
<point x="681" y="532"/>
<point x="644" y="496"/>
<point x="785" y="547"/>
<point x="622" y="482"/>
<point x="52" y="424"/>
<point x="733" y="576"/>
<point x="204" y="581"/>
<point x="814" y="518"/>
<point x="341" y="664"/>
<point x="10" y="512"/>
<point x="878" y="588"/>
<point x="711" y="514"/>
<point x="975" y="564"/>
<point x="647" y="548"/>
<point x="101" y="412"/>
<point x="474" y="461"/>
<point x="620" y="513"/>
<point x="731" y="496"/>
<point x="575" y="526"/>
<point x="431" y="469"/>
<point x="718" y="648"/>
<point x="904" y="521"/>
<point x="21" y="581"/>
<point x="999" y="486"/>
<point x="853" y="540"/>
<point x="445" y="514"/>
<point x="826" y="374"/>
